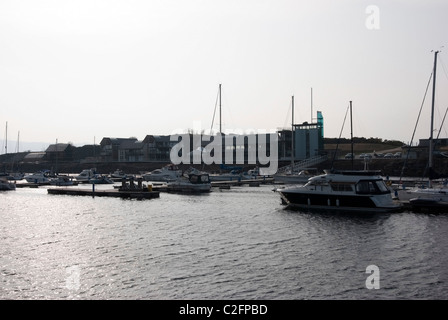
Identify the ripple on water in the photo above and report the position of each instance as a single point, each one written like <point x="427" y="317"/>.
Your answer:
<point x="232" y="244"/>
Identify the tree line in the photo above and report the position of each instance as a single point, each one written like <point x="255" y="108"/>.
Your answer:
<point x="363" y="140"/>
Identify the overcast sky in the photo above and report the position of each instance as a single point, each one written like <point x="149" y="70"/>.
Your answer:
<point x="81" y="70"/>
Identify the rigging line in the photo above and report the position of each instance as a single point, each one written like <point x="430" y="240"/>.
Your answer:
<point x="416" y="123"/>
<point x="441" y="125"/>
<point x="340" y="134"/>
<point x="214" y="112"/>
<point x="288" y="116"/>
<point x="443" y="66"/>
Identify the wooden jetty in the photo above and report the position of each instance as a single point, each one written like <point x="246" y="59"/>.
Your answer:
<point x="129" y="194"/>
<point x="127" y="190"/>
<point x="163" y="187"/>
<point x="250" y="182"/>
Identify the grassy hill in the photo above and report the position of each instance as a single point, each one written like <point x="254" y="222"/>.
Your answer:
<point x="363" y="147"/>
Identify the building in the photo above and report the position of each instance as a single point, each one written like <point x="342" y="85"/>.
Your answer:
<point x="308" y="140"/>
<point x="157" y="148"/>
<point x="113" y="149"/>
<point x="151" y="148"/>
<point x="59" y="152"/>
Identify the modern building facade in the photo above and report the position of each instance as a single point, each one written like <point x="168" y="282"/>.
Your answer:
<point x="308" y="140"/>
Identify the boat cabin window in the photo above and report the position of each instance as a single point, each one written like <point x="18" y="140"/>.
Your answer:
<point x="199" y="179"/>
<point x="371" y="187"/>
<point x="205" y="179"/>
<point x="382" y="186"/>
<point x="315" y="183"/>
<point x="341" y="187"/>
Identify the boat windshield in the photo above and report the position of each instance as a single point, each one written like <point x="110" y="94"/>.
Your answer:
<point x="199" y="178"/>
<point x="371" y="187"/>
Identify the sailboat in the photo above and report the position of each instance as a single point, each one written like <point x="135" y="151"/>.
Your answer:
<point x="427" y="197"/>
<point x="16" y="175"/>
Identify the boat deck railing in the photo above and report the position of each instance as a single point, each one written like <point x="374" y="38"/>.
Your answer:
<point x="303" y="164"/>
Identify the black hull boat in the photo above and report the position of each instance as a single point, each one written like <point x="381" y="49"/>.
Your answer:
<point x="360" y="191"/>
<point x="428" y="205"/>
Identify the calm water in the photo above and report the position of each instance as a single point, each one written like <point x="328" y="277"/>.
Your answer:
<point x="229" y="244"/>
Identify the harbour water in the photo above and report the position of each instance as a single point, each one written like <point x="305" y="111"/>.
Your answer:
<point x="239" y="243"/>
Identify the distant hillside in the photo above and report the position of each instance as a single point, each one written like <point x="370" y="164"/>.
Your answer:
<point x="364" y="148"/>
<point x="363" y="145"/>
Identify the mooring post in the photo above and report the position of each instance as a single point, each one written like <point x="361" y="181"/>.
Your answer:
<point x="139" y="181"/>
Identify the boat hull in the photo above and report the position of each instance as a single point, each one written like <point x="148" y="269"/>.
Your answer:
<point x="188" y="188"/>
<point x="337" y="202"/>
<point x="6" y="186"/>
<point x="428" y="205"/>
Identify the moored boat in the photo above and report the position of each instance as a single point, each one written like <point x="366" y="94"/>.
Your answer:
<point x="61" y="180"/>
<point x="5" y="185"/>
<point x="100" y="179"/>
<point x="428" y="205"/>
<point x="429" y="195"/>
<point x="38" y="177"/>
<point x="192" y="182"/>
<point x="296" y="178"/>
<point x="86" y="175"/>
<point x="363" y="191"/>
<point x="119" y="175"/>
<point x="168" y="173"/>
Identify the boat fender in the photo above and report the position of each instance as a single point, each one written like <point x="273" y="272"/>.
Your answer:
<point x="309" y="201"/>
<point x="337" y="202"/>
<point x="328" y="202"/>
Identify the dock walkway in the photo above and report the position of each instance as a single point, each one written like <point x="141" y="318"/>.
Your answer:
<point x="129" y="194"/>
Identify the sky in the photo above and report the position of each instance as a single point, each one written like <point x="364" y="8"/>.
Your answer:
<point x="77" y="71"/>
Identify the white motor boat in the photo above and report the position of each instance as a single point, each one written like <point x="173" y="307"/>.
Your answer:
<point x="6" y="185"/>
<point x="363" y="191"/>
<point x="86" y="175"/>
<point x="193" y="182"/>
<point x="38" y="177"/>
<point x="166" y="174"/>
<point x="15" y="176"/>
<point x="118" y="175"/>
<point x="100" y="179"/>
<point x="61" y="181"/>
<point x="230" y="176"/>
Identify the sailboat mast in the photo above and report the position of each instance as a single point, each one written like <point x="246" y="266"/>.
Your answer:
<point x="6" y="138"/>
<point x="431" y="143"/>
<point x="351" y="134"/>
<point x="292" y="136"/>
<point x="220" y="112"/>
<point x="311" y="105"/>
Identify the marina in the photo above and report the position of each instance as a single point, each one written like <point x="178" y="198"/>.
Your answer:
<point x="201" y="152"/>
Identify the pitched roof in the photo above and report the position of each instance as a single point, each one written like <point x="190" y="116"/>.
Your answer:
<point x="59" y="147"/>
